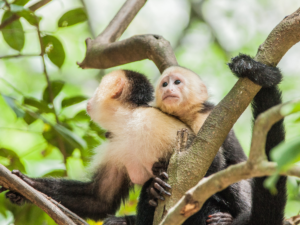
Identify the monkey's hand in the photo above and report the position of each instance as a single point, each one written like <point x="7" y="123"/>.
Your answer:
<point x="219" y="219"/>
<point x="15" y="197"/>
<point x="261" y="74"/>
<point x="158" y="185"/>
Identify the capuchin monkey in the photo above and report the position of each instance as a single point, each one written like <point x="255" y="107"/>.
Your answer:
<point x="140" y="137"/>
<point x="181" y="93"/>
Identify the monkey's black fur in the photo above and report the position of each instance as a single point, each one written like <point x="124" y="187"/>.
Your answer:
<point x="141" y="92"/>
<point x="267" y="209"/>
<point x="84" y="198"/>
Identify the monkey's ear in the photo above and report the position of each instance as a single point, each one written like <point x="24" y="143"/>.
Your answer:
<point x="117" y="88"/>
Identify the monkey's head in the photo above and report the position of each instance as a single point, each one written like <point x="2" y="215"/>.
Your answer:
<point x="179" y="90"/>
<point x="121" y="88"/>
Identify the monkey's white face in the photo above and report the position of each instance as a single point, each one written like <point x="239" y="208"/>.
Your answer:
<point x="171" y="88"/>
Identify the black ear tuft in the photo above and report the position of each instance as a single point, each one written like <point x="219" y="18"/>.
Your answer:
<point x="261" y="74"/>
<point x="141" y="89"/>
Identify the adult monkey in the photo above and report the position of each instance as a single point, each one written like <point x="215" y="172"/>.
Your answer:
<point x="178" y="85"/>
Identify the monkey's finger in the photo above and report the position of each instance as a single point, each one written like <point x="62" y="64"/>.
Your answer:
<point x="161" y="182"/>
<point x="152" y="202"/>
<point x="2" y="189"/>
<point x="164" y="175"/>
<point x="161" y="189"/>
<point x="156" y="195"/>
<point x="23" y="177"/>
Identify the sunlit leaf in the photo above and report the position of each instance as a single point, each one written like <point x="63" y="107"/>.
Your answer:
<point x="70" y="137"/>
<point x="72" y="101"/>
<point x="11" y="103"/>
<point x="13" y="33"/>
<point x="21" y="2"/>
<point x="56" y="87"/>
<point x="82" y="115"/>
<point x="54" y="49"/>
<point x="14" y="160"/>
<point x="91" y="141"/>
<point x="72" y="17"/>
<point x="290" y="108"/>
<point x="40" y="104"/>
<point x="286" y="153"/>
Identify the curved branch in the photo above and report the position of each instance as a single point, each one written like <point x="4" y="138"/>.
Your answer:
<point x="104" y="52"/>
<point x="136" y="48"/>
<point x="185" y="173"/>
<point x="256" y="166"/>
<point x="14" y="183"/>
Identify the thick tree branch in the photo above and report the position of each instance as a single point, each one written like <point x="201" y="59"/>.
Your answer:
<point x="185" y="173"/>
<point x="14" y="183"/>
<point x="33" y="8"/>
<point x="104" y="52"/>
<point x="256" y="166"/>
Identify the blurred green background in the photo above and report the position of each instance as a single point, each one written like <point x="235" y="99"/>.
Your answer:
<point x="42" y="137"/>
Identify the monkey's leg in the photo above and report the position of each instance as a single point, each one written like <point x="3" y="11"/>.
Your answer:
<point x="83" y="198"/>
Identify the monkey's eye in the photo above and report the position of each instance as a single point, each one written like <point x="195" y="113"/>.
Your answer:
<point x="165" y="84"/>
<point x="177" y="82"/>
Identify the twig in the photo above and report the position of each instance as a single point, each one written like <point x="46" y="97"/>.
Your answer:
<point x="14" y="17"/>
<point x="17" y="56"/>
<point x="14" y="183"/>
<point x="59" y="139"/>
<point x="256" y="166"/>
<point x="225" y="114"/>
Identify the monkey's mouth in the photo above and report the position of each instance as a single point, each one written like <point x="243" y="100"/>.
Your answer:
<point x="170" y="97"/>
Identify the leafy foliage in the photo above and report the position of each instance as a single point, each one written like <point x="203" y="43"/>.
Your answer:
<point x="72" y="17"/>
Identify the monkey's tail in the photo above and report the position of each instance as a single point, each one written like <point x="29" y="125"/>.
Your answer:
<point x="266" y="208"/>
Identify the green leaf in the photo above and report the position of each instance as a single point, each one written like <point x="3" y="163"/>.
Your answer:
<point x="290" y="108"/>
<point x="29" y="119"/>
<point x="13" y="33"/>
<point x="72" y="101"/>
<point x="82" y="115"/>
<point x="56" y="87"/>
<point x="72" y="17"/>
<point x="286" y="154"/>
<point x="99" y="130"/>
<point x="11" y="103"/>
<point x="21" y="2"/>
<point x="14" y="159"/>
<point x="54" y="49"/>
<point x="70" y="137"/>
<point x="40" y="104"/>
<point x="29" y="16"/>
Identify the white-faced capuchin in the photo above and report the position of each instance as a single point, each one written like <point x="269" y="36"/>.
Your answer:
<point x="181" y="93"/>
<point x="139" y="138"/>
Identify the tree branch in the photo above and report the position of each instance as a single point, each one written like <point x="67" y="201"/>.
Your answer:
<point x="256" y="166"/>
<point x="185" y="173"/>
<point x="14" y="183"/>
<point x="14" y="17"/>
<point x="104" y="52"/>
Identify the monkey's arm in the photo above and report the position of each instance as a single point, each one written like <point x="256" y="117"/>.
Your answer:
<point x="91" y="199"/>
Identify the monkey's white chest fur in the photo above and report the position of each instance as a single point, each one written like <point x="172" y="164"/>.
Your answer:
<point x="139" y="138"/>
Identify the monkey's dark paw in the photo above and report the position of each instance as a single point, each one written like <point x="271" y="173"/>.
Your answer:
<point x="158" y="189"/>
<point x="261" y="74"/>
<point x="219" y="219"/>
<point x="23" y="177"/>
<point x="2" y="189"/>
<point x="127" y="220"/>
<point x="15" y="198"/>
